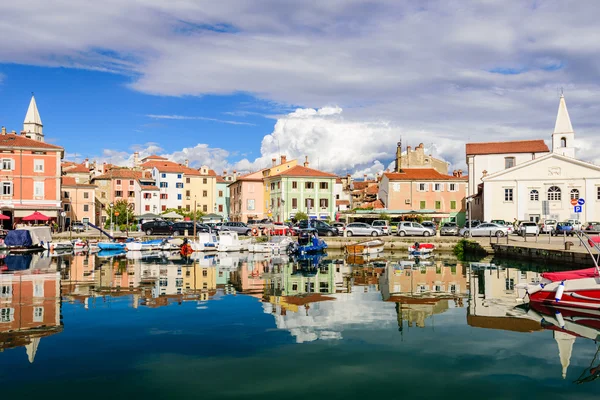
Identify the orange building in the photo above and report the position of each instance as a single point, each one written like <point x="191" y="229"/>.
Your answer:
<point x="29" y="171"/>
<point x="78" y="201"/>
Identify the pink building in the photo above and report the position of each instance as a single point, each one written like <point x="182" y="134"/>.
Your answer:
<point x="426" y="192"/>
<point x="247" y="197"/>
<point x="78" y="201"/>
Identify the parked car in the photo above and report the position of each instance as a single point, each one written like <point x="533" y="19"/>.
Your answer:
<point x="528" y="228"/>
<point x="430" y="225"/>
<point x="179" y="228"/>
<point x="473" y="224"/>
<point x="485" y="229"/>
<point x="339" y="226"/>
<point x="548" y="226"/>
<point x="157" y="227"/>
<point x="575" y="223"/>
<point x="239" y="227"/>
<point x="77" y="226"/>
<point x="323" y="228"/>
<point x="282" y="229"/>
<point x="592" y="227"/>
<point x="449" y="229"/>
<point x="413" y="229"/>
<point x="563" y="228"/>
<point x="361" y="229"/>
<point x="383" y="225"/>
<point x="499" y="222"/>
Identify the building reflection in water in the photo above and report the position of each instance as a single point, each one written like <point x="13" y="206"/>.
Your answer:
<point x="29" y="303"/>
<point x="495" y="304"/>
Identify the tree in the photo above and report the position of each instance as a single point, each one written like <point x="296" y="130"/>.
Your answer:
<point x="300" y="216"/>
<point x="385" y="216"/>
<point x="121" y="212"/>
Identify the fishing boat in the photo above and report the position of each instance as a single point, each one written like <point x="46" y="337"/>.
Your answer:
<point x="308" y="242"/>
<point x="372" y="246"/>
<point x="421" y="249"/>
<point x="63" y="245"/>
<point x="569" y="289"/>
<point x="229" y="241"/>
<point x="207" y="241"/>
<point x="144" y="245"/>
<point x="28" y="239"/>
<point x="276" y="245"/>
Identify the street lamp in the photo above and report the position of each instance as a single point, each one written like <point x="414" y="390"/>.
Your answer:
<point x="111" y="218"/>
<point x="469" y="200"/>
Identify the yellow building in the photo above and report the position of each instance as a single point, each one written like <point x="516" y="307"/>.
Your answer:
<point x="273" y="170"/>
<point x="200" y="186"/>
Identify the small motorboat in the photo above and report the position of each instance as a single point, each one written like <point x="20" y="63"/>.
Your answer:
<point x="569" y="289"/>
<point x="308" y="242"/>
<point x="63" y="245"/>
<point x="111" y="246"/>
<point x="207" y="241"/>
<point x="420" y="249"/>
<point x="276" y="245"/>
<point x="111" y="253"/>
<point x="80" y="245"/>
<point x="144" y="245"/>
<point x="372" y="246"/>
<point x="229" y="241"/>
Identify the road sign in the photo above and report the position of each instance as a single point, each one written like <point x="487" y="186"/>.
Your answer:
<point x="573" y="202"/>
<point x="581" y="201"/>
<point x="63" y="214"/>
<point x="577" y="209"/>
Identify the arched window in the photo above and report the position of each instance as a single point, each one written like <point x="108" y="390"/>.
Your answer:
<point x="534" y="195"/>
<point x="554" y="193"/>
<point x="563" y="142"/>
<point x="574" y="194"/>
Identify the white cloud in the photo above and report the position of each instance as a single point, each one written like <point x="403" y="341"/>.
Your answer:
<point x="435" y="72"/>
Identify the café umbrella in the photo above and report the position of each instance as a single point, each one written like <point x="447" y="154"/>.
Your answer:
<point x="4" y="217"/>
<point x="36" y="216"/>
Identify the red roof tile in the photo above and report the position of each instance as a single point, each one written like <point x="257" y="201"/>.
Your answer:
<point x="519" y="146"/>
<point x="70" y="181"/>
<point x="11" y="140"/>
<point x="120" y="173"/>
<point x="422" y="174"/>
<point x="153" y="157"/>
<point x="76" y="169"/>
<point x="220" y="179"/>
<point x="360" y="185"/>
<point x="373" y="204"/>
<point x="308" y="172"/>
<point x="149" y="187"/>
<point x="342" y="202"/>
<point x="374" y="189"/>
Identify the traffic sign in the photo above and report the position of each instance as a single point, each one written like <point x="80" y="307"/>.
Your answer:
<point x="581" y="201"/>
<point x="573" y="202"/>
<point x="577" y="209"/>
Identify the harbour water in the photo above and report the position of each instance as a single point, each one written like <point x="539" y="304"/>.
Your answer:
<point x="242" y="326"/>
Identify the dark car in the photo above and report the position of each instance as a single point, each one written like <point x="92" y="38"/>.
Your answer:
<point x="239" y="227"/>
<point x="563" y="228"/>
<point x="323" y="228"/>
<point x="179" y="228"/>
<point x="157" y="227"/>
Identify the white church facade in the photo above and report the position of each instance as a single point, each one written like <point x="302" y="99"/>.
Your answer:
<point x="544" y="186"/>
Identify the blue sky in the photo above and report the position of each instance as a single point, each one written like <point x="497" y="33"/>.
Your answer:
<point x="338" y="81"/>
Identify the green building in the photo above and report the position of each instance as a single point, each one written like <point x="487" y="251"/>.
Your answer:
<point x="300" y="189"/>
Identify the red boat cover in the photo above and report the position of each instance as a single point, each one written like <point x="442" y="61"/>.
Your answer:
<point x="577" y="274"/>
<point x="594" y="240"/>
<point x="426" y="246"/>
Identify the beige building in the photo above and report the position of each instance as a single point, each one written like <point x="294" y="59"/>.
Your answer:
<point x="418" y="159"/>
<point x="200" y="187"/>
<point x="78" y="201"/>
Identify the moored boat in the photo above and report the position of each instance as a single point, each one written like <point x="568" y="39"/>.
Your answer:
<point x="207" y="241"/>
<point x="28" y="239"/>
<point x="103" y="246"/>
<point x="229" y="241"/>
<point x="372" y="246"/>
<point x="420" y="249"/>
<point x="277" y="244"/>
<point x="308" y="242"/>
<point x="144" y="246"/>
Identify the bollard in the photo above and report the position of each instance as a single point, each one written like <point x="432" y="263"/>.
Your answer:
<point x="185" y="232"/>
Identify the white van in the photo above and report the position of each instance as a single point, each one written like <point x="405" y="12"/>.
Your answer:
<point x="382" y="225"/>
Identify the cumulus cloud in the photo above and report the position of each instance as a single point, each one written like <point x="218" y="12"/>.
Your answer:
<point x="435" y="72"/>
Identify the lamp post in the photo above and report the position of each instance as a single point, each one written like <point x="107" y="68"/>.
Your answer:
<point x="469" y="200"/>
<point x="111" y="218"/>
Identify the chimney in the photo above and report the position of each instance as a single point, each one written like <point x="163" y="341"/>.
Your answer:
<point x="4" y="130"/>
<point x="274" y="161"/>
<point x="87" y="163"/>
<point x="365" y="177"/>
<point x="408" y="149"/>
<point x="306" y="161"/>
<point x="186" y="162"/>
<point x="420" y="145"/>
<point x="136" y="159"/>
<point x="13" y="132"/>
<point x="23" y="133"/>
<point x="283" y="159"/>
<point x="459" y="173"/>
<point x="224" y="172"/>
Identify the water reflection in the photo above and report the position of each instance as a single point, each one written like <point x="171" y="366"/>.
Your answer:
<point x="307" y="300"/>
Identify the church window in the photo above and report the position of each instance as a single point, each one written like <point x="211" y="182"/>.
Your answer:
<point x="563" y="142"/>
<point x="554" y="193"/>
<point x="574" y="194"/>
<point x="534" y="195"/>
